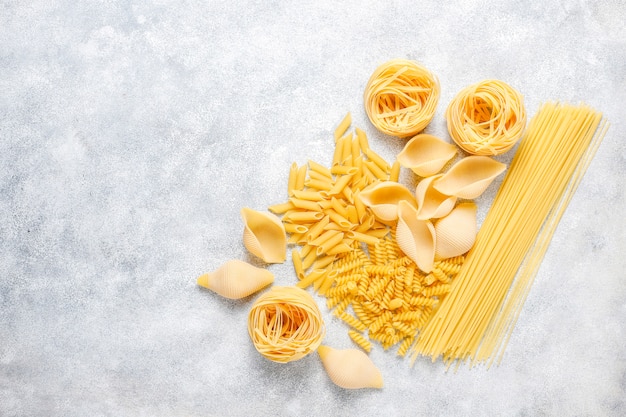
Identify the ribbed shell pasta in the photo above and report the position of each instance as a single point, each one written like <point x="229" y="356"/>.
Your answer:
<point x="401" y="97"/>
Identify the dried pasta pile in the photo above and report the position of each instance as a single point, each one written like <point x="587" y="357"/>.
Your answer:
<point x="401" y="97"/>
<point x="349" y="255"/>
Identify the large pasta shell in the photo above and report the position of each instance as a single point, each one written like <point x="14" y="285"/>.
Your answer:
<point x="426" y="154"/>
<point x="430" y="202"/>
<point x="236" y="279"/>
<point x="350" y="368"/>
<point x="456" y="233"/>
<point x="416" y="238"/>
<point x="469" y="177"/>
<point x="264" y="235"/>
<point x="383" y="198"/>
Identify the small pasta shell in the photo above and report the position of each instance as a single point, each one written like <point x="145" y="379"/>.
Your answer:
<point x="469" y="177"/>
<point x="383" y="198"/>
<point x="350" y="368"/>
<point x="456" y="233"/>
<point x="426" y="154"/>
<point x="236" y="279"/>
<point x="430" y="202"/>
<point x="264" y="235"/>
<point x="416" y="238"/>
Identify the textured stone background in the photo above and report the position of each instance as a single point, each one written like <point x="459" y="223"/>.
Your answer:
<point x="132" y="132"/>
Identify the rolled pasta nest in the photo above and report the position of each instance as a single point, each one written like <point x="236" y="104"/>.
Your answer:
<point x="401" y="97"/>
<point x="487" y="118"/>
<point x="285" y="324"/>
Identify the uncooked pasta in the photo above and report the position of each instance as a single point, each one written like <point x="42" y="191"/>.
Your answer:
<point x="285" y="324"/>
<point x="487" y="118"/>
<point x="476" y="318"/>
<point x="401" y="97"/>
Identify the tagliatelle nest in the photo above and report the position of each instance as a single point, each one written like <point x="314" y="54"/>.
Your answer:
<point x="285" y="324"/>
<point x="401" y="97"/>
<point x="487" y="118"/>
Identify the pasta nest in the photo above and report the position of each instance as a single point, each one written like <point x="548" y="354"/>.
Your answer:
<point x="487" y="118"/>
<point x="285" y="324"/>
<point x="401" y="97"/>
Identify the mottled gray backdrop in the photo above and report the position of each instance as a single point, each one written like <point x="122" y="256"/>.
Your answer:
<point x="132" y="133"/>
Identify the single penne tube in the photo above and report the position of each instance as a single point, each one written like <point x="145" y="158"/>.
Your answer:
<point x="303" y="216"/>
<point x="329" y="243"/>
<point x="343" y="126"/>
<point x="308" y="195"/>
<point x="305" y="204"/>
<point x="295" y="228"/>
<point x="337" y="153"/>
<point x="308" y="260"/>
<point x="297" y="264"/>
<point x="318" y="184"/>
<point x="317" y="228"/>
<point x="325" y="204"/>
<point x="346" y="152"/>
<point x="320" y="169"/>
<point x="356" y="149"/>
<point x="394" y="173"/>
<point x="281" y="208"/>
<point x="358" y="164"/>
<point x="328" y="281"/>
<point x="376" y="170"/>
<point x="306" y="249"/>
<point x="295" y="237"/>
<point x="340" y="184"/>
<point x="311" y="277"/>
<point x="326" y="235"/>
<point x="338" y="218"/>
<point x="362" y="237"/>
<point x="338" y="207"/>
<point x="301" y="178"/>
<point x="323" y="261"/>
<point x="333" y="226"/>
<point x="378" y="160"/>
<point x="363" y="143"/>
<point x="341" y="247"/>
<point x="343" y="170"/>
<point x="379" y="233"/>
<point x="352" y="216"/>
<point x="293" y="176"/>
<point x="359" y="206"/>
<point x="314" y="175"/>
<point x="348" y="194"/>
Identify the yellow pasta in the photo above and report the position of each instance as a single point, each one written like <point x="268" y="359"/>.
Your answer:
<point x="285" y="324"/>
<point x="476" y="318"/>
<point x="361" y="341"/>
<point x="343" y="126"/>
<point x="401" y="97"/>
<point x="487" y="118"/>
<point x="293" y="174"/>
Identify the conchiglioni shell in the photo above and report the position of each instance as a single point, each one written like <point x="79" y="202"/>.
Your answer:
<point x="383" y="198"/>
<point x="430" y="202"/>
<point x="236" y="279"/>
<point x="350" y="368"/>
<point x="416" y="238"/>
<point x="264" y="235"/>
<point x="456" y="233"/>
<point x="469" y="177"/>
<point x="426" y="154"/>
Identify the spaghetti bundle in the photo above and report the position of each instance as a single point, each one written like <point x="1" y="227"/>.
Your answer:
<point x="401" y="97"/>
<point x="486" y="118"/>
<point x="478" y="315"/>
<point x="285" y="324"/>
